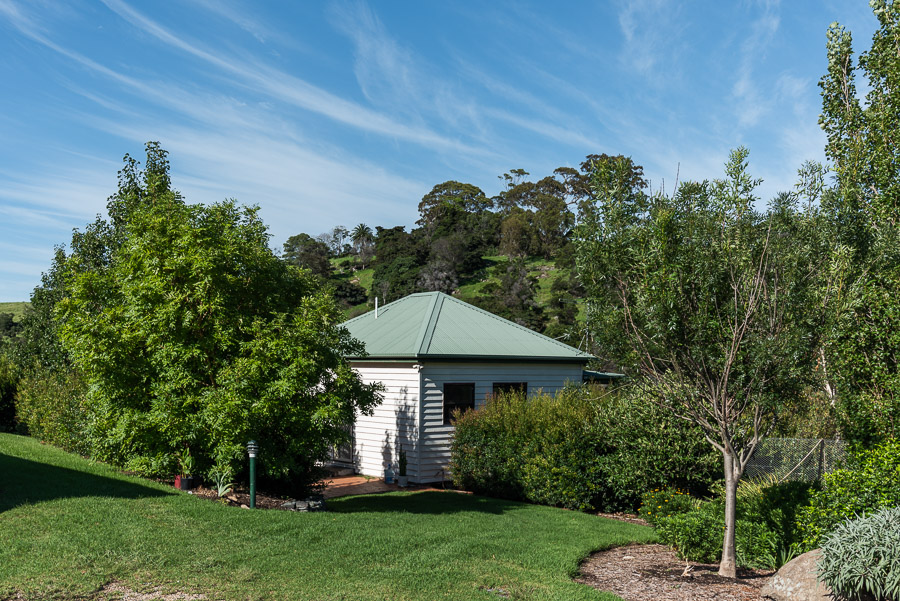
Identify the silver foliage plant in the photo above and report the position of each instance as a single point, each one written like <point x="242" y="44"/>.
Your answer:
<point x="861" y="558"/>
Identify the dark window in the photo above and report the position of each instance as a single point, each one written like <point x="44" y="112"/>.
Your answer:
<point x="457" y="396"/>
<point x="501" y="387"/>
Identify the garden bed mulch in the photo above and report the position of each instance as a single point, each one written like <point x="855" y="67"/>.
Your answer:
<point x="239" y="498"/>
<point x="654" y="573"/>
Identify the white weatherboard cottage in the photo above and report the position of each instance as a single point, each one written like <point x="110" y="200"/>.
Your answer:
<point x="435" y="354"/>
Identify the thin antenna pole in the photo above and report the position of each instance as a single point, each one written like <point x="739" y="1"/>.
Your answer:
<point x="376" y="307"/>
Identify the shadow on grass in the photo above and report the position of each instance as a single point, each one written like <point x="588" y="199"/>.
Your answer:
<point x="24" y="481"/>
<point x="427" y="502"/>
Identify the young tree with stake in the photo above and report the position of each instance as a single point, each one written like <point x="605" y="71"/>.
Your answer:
<point x="705" y="300"/>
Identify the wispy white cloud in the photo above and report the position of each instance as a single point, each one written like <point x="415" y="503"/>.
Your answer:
<point x="299" y="189"/>
<point x="650" y="32"/>
<point x="386" y="72"/>
<point x="392" y="77"/>
<point x="291" y="89"/>
<point x="56" y="199"/>
<point x="243" y="18"/>
<point x="557" y="133"/>
<point x="752" y="103"/>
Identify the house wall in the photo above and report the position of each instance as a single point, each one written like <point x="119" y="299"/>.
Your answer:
<point x="395" y="422"/>
<point x="435" y="439"/>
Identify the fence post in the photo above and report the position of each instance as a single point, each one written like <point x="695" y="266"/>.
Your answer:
<point x="821" y="459"/>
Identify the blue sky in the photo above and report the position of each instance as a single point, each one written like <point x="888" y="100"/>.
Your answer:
<point x="348" y="112"/>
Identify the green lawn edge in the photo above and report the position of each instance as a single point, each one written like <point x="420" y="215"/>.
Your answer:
<point x="70" y="526"/>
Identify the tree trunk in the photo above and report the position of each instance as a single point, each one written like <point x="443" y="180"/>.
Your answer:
<point x="728" y="565"/>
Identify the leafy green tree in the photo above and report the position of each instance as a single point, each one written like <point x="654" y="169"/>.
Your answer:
<point x="517" y="235"/>
<point x="349" y="293"/>
<point x="706" y="300"/>
<point x="305" y="251"/>
<point x="510" y="198"/>
<point x="441" y="210"/>
<point x="396" y="243"/>
<point x="339" y="236"/>
<point x="195" y="335"/>
<point x="9" y="327"/>
<point x="39" y="349"/>
<point x="394" y="280"/>
<point x="9" y="380"/>
<point x="513" y="297"/>
<point x="361" y="233"/>
<point x="862" y="348"/>
<point x="552" y="218"/>
<point x="399" y="257"/>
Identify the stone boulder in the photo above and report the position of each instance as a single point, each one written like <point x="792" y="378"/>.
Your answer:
<point x="796" y="581"/>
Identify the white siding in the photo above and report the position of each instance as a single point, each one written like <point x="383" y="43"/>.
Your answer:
<point x="435" y="439"/>
<point x="395" y="422"/>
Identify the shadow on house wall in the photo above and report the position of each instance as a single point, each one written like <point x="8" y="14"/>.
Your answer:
<point x="405" y="435"/>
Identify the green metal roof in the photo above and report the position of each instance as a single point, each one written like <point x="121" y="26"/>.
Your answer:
<point x="433" y="325"/>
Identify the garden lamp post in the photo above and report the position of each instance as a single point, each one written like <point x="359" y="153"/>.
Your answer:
<point x="252" y="449"/>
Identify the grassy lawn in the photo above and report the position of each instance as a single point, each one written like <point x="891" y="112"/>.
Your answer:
<point x="69" y="526"/>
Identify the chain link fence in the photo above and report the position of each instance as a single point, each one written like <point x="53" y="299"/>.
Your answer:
<point x="805" y="459"/>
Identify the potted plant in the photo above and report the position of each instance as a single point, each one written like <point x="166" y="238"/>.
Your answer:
<point x="185" y="479"/>
<point x="402" y="479"/>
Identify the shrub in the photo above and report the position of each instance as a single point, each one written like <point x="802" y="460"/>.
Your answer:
<point x="870" y="481"/>
<point x="52" y="408"/>
<point x="487" y="445"/>
<point x="775" y="505"/>
<point x="696" y="535"/>
<point x="765" y="534"/>
<point x="8" y="384"/>
<point x="647" y="447"/>
<point x="661" y="503"/>
<point x="584" y="448"/>
<point x="755" y="543"/>
<point x="859" y="557"/>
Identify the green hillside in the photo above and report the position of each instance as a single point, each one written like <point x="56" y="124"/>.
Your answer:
<point x="17" y="309"/>
<point x="544" y="271"/>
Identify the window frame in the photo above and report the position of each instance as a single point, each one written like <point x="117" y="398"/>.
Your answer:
<point x="453" y="405"/>
<point x="509" y="387"/>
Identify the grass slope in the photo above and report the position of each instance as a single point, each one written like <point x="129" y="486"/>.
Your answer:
<point x="545" y="272"/>
<point x="17" y="309"/>
<point x="69" y="527"/>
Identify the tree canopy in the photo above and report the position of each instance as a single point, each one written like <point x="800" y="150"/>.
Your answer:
<point x="193" y="334"/>
<point x="703" y="298"/>
<point x="862" y="217"/>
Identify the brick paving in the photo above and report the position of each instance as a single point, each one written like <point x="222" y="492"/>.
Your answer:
<point x="342" y="486"/>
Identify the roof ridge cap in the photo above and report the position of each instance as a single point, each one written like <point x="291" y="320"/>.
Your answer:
<point x="427" y="324"/>
<point x="434" y="314"/>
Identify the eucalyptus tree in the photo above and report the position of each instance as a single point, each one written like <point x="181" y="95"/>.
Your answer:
<point x="705" y="300"/>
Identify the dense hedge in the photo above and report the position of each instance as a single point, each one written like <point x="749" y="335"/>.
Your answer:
<point x="584" y="448"/>
<point x="870" y="481"/>
<point x="51" y="407"/>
